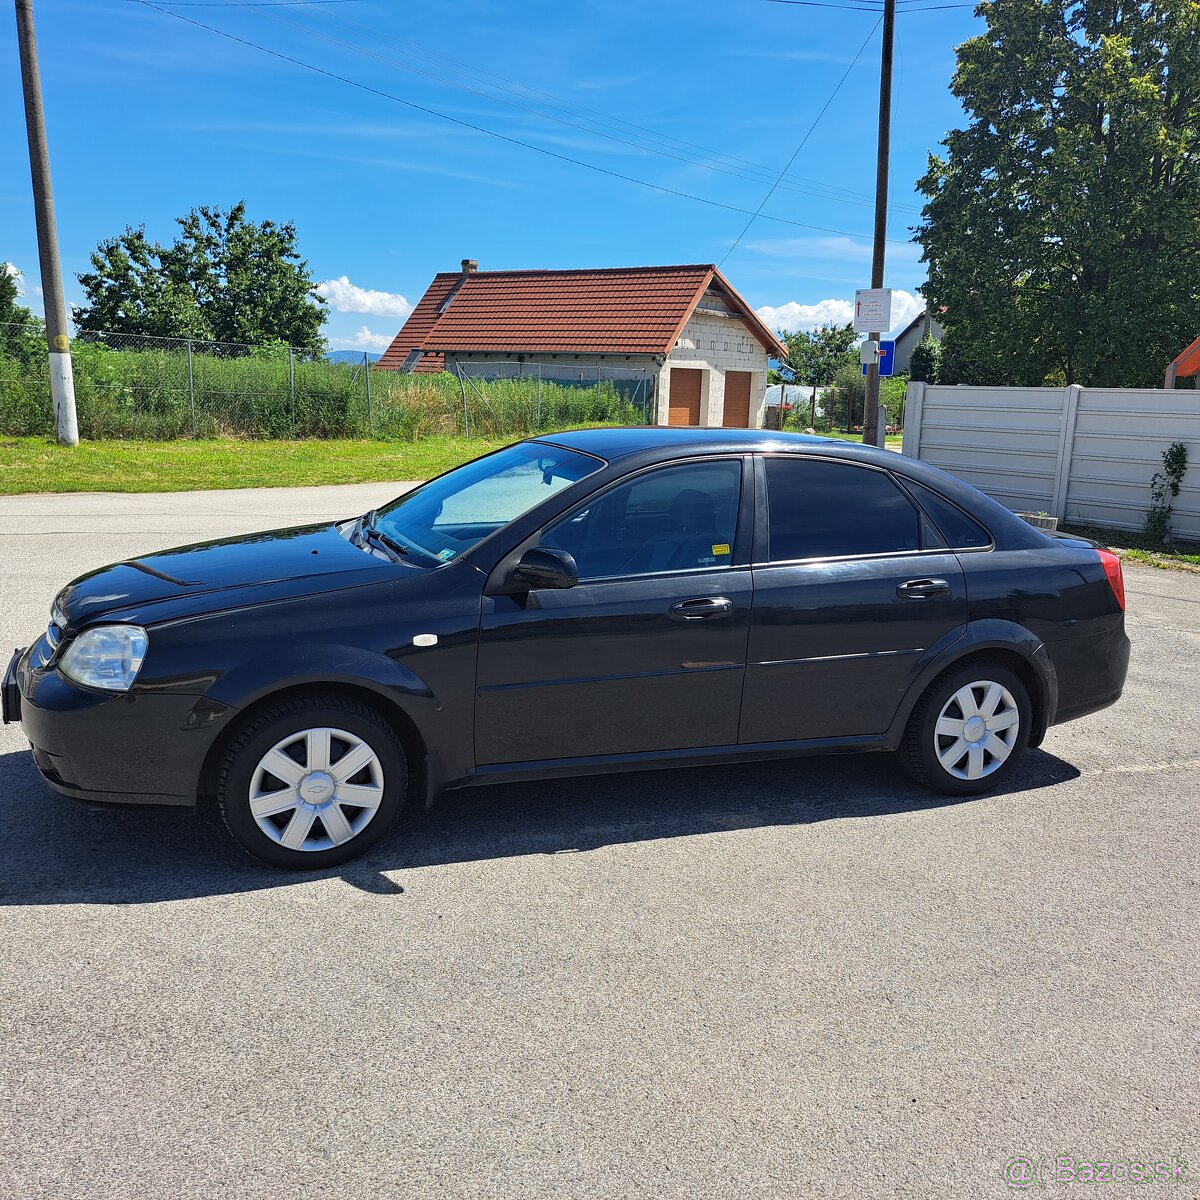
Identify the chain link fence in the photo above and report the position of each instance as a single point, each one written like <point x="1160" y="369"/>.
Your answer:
<point x="137" y="386"/>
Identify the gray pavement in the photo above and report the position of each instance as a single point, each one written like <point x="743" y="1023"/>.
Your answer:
<point x="802" y="979"/>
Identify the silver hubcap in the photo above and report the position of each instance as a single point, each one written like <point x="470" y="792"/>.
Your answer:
<point x="316" y="789"/>
<point x="976" y="730"/>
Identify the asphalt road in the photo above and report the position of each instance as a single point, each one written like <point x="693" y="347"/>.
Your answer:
<point x="800" y="979"/>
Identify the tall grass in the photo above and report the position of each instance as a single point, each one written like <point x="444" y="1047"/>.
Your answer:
<point x="145" y="394"/>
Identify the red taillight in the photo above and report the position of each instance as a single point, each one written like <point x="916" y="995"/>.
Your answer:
<point x="1116" y="580"/>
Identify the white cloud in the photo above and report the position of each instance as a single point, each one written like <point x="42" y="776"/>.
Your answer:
<point x="15" y="271"/>
<point x="349" y="297"/>
<point x="794" y="315"/>
<point x="364" y="339"/>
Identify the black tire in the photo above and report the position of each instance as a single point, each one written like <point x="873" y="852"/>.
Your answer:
<point x="244" y="757"/>
<point x="919" y="749"/>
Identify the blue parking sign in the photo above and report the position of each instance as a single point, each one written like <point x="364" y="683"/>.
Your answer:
<point x="887" y="355"/>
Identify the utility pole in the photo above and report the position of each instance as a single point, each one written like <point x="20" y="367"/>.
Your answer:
<point x="883" y="146"/>
<point x="58" y="339"/>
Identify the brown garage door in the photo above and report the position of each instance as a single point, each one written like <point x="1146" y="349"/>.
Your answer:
<point x="737" y="400"/>
<point x="683" y="399"/>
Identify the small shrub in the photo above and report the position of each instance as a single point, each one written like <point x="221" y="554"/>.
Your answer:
<point x="1164" y="487"/>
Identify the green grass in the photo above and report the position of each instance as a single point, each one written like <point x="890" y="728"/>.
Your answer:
<point x="1137" y="547"/>
<point x="34" y="464"/>
<point x="893" y="439"/>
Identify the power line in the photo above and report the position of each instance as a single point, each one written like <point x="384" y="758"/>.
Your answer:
<point x="808" y="133"/>
<point x="433" y="112"/>
<point x="760" y="175"/>
<point x="523" y="90"/>
<point x="868" y="6"/>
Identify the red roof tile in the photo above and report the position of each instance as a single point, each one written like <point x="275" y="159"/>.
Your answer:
<point x="623" y="310"/>
<point x="420" y="321"/>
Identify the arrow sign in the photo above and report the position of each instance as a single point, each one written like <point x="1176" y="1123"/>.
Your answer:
<point x="873" y="310"/>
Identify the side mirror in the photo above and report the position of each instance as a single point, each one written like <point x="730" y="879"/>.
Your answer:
<point x="544" y="567"/>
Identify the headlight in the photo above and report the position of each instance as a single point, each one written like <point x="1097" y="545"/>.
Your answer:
<point x="106" y="656"/>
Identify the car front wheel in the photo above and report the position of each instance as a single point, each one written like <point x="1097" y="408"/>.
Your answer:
<point x="968" y="730"/>
<point x="312" y="782"/>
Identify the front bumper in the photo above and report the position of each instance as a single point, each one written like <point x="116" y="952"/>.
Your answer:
<point x="10" y="694"/>
<point x="113" y="747"/>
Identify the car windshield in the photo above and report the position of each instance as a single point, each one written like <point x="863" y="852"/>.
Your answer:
<point x="445" y="518"/>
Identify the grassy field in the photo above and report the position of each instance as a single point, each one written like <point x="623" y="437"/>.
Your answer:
<point x="38" y="464"/>
<point x="159" y="394"/>
<point x="34" y="464"/>
<point x="1180" y="556"/>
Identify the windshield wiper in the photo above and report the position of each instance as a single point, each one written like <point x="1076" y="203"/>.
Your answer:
<point x="365" y="532"/>
<point x="356" y="530"/>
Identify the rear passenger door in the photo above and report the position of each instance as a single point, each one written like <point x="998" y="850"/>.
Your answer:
<point x="852" y="584"/>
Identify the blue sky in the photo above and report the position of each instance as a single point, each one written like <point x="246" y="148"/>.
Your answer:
<point x="148" y="115"/>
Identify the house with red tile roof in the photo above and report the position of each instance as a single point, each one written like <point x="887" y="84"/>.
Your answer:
<point x="702" y="345"/>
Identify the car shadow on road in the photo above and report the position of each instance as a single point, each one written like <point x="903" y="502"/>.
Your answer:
<point x="59" y="851"/>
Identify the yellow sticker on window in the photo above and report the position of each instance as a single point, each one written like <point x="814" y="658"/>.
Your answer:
<point x="723" y="548"/>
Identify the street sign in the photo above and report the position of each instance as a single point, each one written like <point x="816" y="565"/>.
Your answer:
<point x="887" y="355"/>
<point x="873" y="310"/>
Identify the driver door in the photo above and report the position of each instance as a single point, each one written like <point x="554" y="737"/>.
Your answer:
<point x="648" y="651"/>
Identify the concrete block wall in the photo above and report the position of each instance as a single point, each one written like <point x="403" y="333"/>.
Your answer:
<point x="715" y="344"/>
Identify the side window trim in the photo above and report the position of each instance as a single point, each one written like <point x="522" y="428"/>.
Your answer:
<point x="915" y="496"/>
<point x="743" y="517"/>
<point x="762" y="554"/>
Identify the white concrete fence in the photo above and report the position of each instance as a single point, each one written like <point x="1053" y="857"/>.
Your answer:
<point x="1084" y="455"/>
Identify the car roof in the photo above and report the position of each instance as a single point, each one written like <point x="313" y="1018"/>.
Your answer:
<point x="638" y="446"/>
<point x="614" y="442"/>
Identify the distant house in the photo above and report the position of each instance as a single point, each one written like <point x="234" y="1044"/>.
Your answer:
<point x="702" y="345"/>
<point x="919" y="328"/>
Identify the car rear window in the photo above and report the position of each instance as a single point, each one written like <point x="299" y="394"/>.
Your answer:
<point x="960" y="531"/>
<point x="823" y="509"/>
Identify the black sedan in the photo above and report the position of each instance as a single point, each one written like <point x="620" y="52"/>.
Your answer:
<point x="604" y="600"/>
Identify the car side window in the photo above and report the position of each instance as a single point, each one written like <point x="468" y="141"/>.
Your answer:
<point x="818" y="508"/>
<point x="673" y="519"/>
<point x="960" y="531"/>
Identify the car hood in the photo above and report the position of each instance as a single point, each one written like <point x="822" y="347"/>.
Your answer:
<point x="231" y="572"/>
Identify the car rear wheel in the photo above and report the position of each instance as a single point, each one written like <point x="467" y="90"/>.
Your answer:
<point x="312" y="782"/>
<point x="968" y="730"/>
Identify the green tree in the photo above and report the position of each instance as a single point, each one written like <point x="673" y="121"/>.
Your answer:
<point x="926" y="360"/>
<point x="1062" y="224"/>
<point x="817" y="355"/>
<point x="224" y="278"/>
<point x="12" y="311"/>
<point x="130" y="290"/>
<point x="19" y="328"/>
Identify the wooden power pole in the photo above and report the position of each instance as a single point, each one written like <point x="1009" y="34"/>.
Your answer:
<point x="58" y="337"/>
<point x="883" y="147"/>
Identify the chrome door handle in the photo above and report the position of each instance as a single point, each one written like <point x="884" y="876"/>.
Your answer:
<point x="924" y="589"/>
<point x="703" y="608"/>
